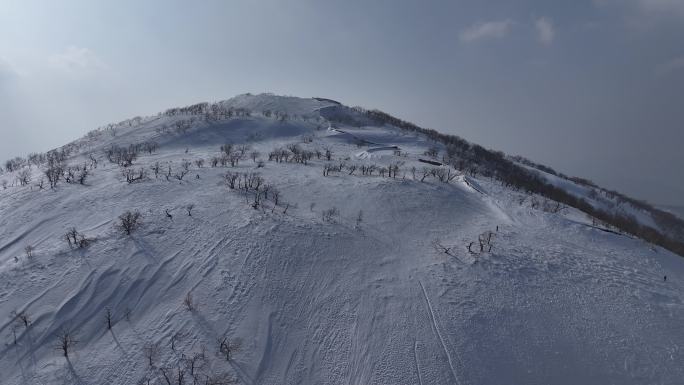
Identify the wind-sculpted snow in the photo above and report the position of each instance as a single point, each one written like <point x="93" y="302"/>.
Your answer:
<point x="392" y="298"/>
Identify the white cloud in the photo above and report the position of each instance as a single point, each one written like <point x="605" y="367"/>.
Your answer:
<point x="486" y="30"/>
<point x="545" y="30"/>
<point x="75" y="59"/>
<point x="676" y="64"/>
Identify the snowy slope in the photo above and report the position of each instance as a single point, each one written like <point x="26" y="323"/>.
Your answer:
<point x="310" y="301"/>
<point x="599" y="198"/>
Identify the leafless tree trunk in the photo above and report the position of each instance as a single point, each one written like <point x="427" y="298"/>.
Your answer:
<point x="129" y="221"/>
<point x="151" y="351"/>
<point x="189" y="303"/>
<point x="22" y="317"/>
<point x="195" y="362"/>
<point x="65" y="341"/>
<point x="108" y="318"/>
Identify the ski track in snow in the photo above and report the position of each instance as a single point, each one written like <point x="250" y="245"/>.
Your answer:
<point x="433" y="321"/>
<point x="415" y="358"/>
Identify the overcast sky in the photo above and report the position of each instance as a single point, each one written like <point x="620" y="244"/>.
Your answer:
<point x="593" y="88"/>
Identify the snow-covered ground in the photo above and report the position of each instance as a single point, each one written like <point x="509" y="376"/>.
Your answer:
<point x="304" y="300"/>
<point x="599" y="198"/>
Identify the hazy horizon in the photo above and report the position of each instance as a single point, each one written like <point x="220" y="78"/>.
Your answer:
<point x="592" y="89"/>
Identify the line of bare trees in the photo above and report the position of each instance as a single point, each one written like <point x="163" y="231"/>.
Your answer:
<point x="194" y="368"/>
<point x="443" y="174"/>
<point x="125" y="156"/>
<point x="77" y="240"/>
<point x="251" y="184"/>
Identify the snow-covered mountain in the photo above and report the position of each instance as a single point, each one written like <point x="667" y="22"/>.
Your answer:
<point x="284" y="240"/>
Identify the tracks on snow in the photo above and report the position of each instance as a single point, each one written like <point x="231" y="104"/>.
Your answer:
<point x="439" y="334"/>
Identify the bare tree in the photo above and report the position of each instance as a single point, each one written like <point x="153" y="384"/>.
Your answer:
<point x="180" y="175"/>
<point x="470" y="247"/>
<point x="243" y="148"/>
<point x="189" y="303"/>
<point x="226" y="347"/>
<point x="14" y="333"/>
<point x="133" y="176"/>
<point x="195" y="362"/>
<point x="440" y="247"/>
<point x="426" y="172"/>
<point x="82" y="176"/>
<point x="275" y="195"/>
<point x="254" y="155"/>
<point x="156" y="167"/>
<point x="150" y="147"/>
<point x="234" y="159"/>
<point x="485" y="240"/>
<point x="151" y="351"/>
<point x="173" y="376"/>
<point x="93" y="161"/>
<point x="167" y="375"/>
<point x="53" y="174"/>
<point x="24" y="177"/>
<point x="444" y="175"/>
<point x="22" y="317"/>
<point x="129" y="221"/>
<point x="108" y="318"/>
<point x="65" y="341"/>
<point x="189" y="208"/>
<point x="29" y="251"/>
<point x="76" y="239"/>
<point x="231" y="178"/>
<point x="227" y="148"/>
<point x="432" y="151"/>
